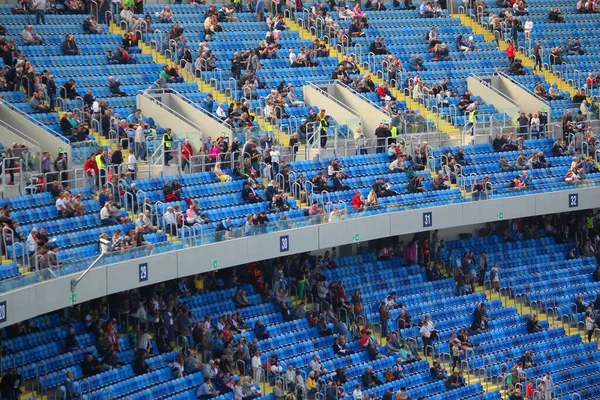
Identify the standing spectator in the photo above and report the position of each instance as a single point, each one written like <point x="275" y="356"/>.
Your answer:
<point x="428" y="335"/>
<point x="537" y="53"/>
<point x="140" y="142"/>
<point x="39" y="8"/>
<point x="186" y="153"/>
<point x="510" y="52"/>
<point x="260" y="10"/>
<point x="167" y="142"/>
<point x="117" y="160"/>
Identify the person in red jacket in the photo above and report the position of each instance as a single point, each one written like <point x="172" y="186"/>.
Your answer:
<point x="357" y="201"/>
<point x="186" y="154"/>
<point x="91" y="168"/>
<point x="510" y="53"/>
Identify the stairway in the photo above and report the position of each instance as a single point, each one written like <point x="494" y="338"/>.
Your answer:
<point x="549" y="76"/>
<point x="218" y="95"/>
<point x="441" y="124"/>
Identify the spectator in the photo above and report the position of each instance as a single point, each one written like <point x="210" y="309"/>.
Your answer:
<point x="533" y="325"/>
<point x="170" y="221"/>
<point x="114" y="85"/>
<point x="69" y="46"/>
<point x="261" y="331"/>
<point x="71" y="339"/>
<point x="30" y="38"/>
<point x="37" y="103"/>
<point x="206" y="391"/>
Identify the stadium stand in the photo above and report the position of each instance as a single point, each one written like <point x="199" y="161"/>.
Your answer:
<point x="511" y="313"/>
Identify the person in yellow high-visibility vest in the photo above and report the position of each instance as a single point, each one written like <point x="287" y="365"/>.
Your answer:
<point x="101" y="159"/>
<point x="393" y="133"/>
<point x="167" y="142"/>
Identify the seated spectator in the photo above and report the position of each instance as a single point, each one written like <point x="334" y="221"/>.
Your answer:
<point x="221" y="176"/>
<point x="516" y="68"/>
<point x="114" y="85"/>
<point x="415" y="184"/>
<point x="90" y="25"/>
<point x="249" y="195"/>
<point x="240" y="299"/>
<point x="454" y="381"/>
<point x="74" y="6"/>
<point x="439" y="181"/>
<point x="37" y="103"/>
<point x="261" y="331"/>
<point x="90" y="366"/>
<point x="69" y="46"/>
<point x="30" y="38"/>
<point x="70" y="90"/>
<point x="166" y="15"/>
<point x="533" y="325"/>
<point x="170" y="221"/>
<point x="555" y="15"/>
<point x="521" y="162"/>
<point x="437" y="371"/>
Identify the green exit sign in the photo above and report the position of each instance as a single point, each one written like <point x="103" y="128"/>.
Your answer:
<point x="73" y="298"/>
<point x="500" y="215"/>
<point x="214" y="264"/>
<point x="356" y="237"/>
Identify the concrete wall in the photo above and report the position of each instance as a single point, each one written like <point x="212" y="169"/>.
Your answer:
<point x="341" y="114"/>
<point x="371" y="116"/>
<point x="165" y="118"/>
<point x="210" y="127"/>
<point x="8" y="137"/>
<point x="527" y="101"/>
<point x="490" y="96"/>
<point x="52" y="295"/>
<point x="46" y="140"/>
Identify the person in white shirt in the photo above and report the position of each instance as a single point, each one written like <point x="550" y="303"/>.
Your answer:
<point x="269" y="111"/>
<point x="132" y="165"/>
<point x="528" y="28"/>
<point x="60" y="204"/>
<point x="140" y="142"/>
<point x="104" y="242"/>
<point x="221" y="112"/>
<point x="275" y="155"/>
<point x="315" y="365"/>
<point x="294" y="102"/>
<point x="357" y="394"/>
<point x="534" y="125"/>
<point x="126" y="15"/>
<point x="290" y="376"/>
<point x="294" y="61"/>
<point x="336" y="215"/>
<point x="170" y="221"/>
<point x="257" y="367"/>
<point x="30" y="38"/>
<point x="428" y="334"/>
<point x="105" y="217"/>
<point x="30" y="243"/>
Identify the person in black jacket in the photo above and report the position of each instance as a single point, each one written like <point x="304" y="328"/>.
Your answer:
<point x="140" y="366"/>
<point x="382" y="133"/>
<point x="414" y="186"/>
<point x="70" y="340"/>
<point x="90" y="366"/>
<point x="10" y="385"/>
